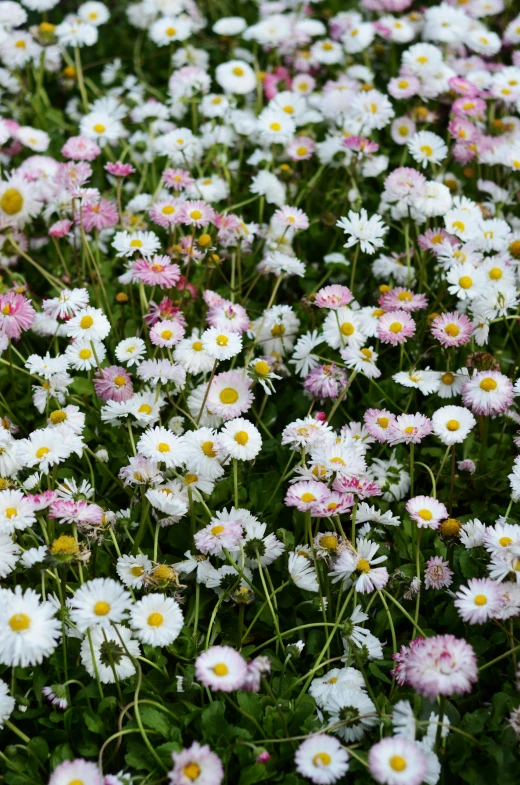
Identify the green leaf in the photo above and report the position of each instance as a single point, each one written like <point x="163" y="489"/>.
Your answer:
<point x="155" y="720"/>
<point x="93" y="722"/>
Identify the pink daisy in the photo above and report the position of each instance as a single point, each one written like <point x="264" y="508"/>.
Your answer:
<point x="79" y="148"/>
<point x="401" y="658"/>
<point x="167" y="212"/>
<point x="488" y="392"/>
<point x="306" y="494"/>
<point x="69" y="511"/>
<point x="16" y="314"/>
<point x="469" y="107"/>
<point x="221" y="668"/>
<point x="377" y="422"/>
<point x="452" y="329"/>
<point x="230" y="395"/>
<point x="196" y="213"/>
<point x="113" y="384"/>
<point x="119" y="169"/>
<point x="291" y="218"/>
<point x="362" y="487"/>
<point x="404" y="299"/>
<point x="409" y="429"/>
<point x="395" y="327"/>
<point x="72" y="175"/>
<point x="157" y="271"/>
<point x="166" y="333"/>
<point x="433" y="239"/>
<point x="217" y="535"/>
<point x="326" y="381"/>
<point x="437" y="574"/>
<point x="426" y="511"/>
<point x="335" y="504"/>
<point x="178" y="179"/>
<point x="442" y="665"/>
<point x="360" y="144"/>
<point x="226" y="315"/>
<point x="333" y="297"/>
<point x="60" y="228"/>
<point x="301" y="148"/>
<point x="102" y="215"/>
<point x="165" y="310"/>
<point x="196" y="764"/>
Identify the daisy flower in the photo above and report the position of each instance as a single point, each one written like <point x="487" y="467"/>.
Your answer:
<point x="302" y="572"/>
<point x="452" y="424"/>
<point x="221" y="344"/>
<point x="81" y="354"/>
<point x="113" y="384"/>
<point x="395" y="327"/>
<point x="99" y="603"/>
<point x="229" y="395"/>
<point x="306" y="494"/>
<point x="201" y="453"/>
<point x="130" y="351"/>
<point x="196" y="213"/>
<point x="343" y="327"/>
<point x="161" y="445"/>
<point x="355" y="710"/>
<point x="409" y="429"/>
<point x="452" y="329"/>
<point x="442" y="665"/>
<point x="16" y="511"/>
<point x="337" y="680"/>
<point x="156" y="271"/>
<point x="368" y="232"/>
<point x="362" y="361"/>
<point x="166" y="333"/>
<point x="378" y="422"/>
<point x="133" y="570"/>
<point x="43" y="448"/>
<point x="78" y="770"/>
<point x="437" y="574"/>
<point x="427" y="148"/>
<point x="190" y="353"/>
<point x="89" y="324"/>
<point x="122" y="648"/>
<point x="221" y="668"/>
<point x="219" y="535"/>
<point x="397" y="761"/>
<point x="333" y="297"/>
<point x="358" y="568"/>
<point x="426" y="511"/>
<point x="321" y="759"/>
<point x="240" y="439"/>
<point x="156" y="619"/>
<point x="144" y="243"/>
<point x="29" y="631"/>
<point x="196" y="765"/>
<point x="488" y="392"/>
<point x="479" y="601"/>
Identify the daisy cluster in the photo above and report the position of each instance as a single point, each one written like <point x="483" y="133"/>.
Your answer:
<point x="259" y="371"/>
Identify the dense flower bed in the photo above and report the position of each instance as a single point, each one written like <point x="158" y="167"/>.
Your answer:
<point x="259" y="362"/>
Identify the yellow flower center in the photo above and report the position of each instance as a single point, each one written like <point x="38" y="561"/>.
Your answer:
<point x="238" y="71"/>
<point x="228" y="395"/>
<point x="101" y="608"/>
<point x="6" y="309"/>
<point x="329" y="542"/>
<point x="453" y="425"/>
<point x="242" y="437"/>
<point x="12" y="201"/>
<point x="197" y="346"/>
<point x="191" y="771"/>
<point x="58" y="416"/>
<point x="190" y="478"/>
<point x="505" y="541"/>
<point x="397" y="763"/>
<point x="41" y="451"/>
<point x="145" y="408"/>
<point x="426" y="515"/>
<point x="19" y="622"/>
<point x="208" y="449"/>
<point x="86" y="322"/>
<point x="220" y="669"/>
<point x="363" y="565"/>
<point x="447" y="378"/>
<point x="222" y="340"/>
<point x="204" y="240"/>
<point x="301" y="151"/>
<point x="278" y="330"/>
<point x="322" y="759"/>
<point x="262" y="368"/>
<point x="347" y="328"/>
<point x="495" y="273"/>
<point x="11" y="512"/>
<point x="64" y="544"/>
<point x="383" y="422"/>
<point x="155" y="619"/>
<point x="137" y="571"/>
<point x="427" y="150"/>
<point x="480" y="600"/>
<point x="452" y="330"/>
<point x="367" y="354"/>
<point x="216" y="530"/>
<point x="396" y="327"/>
<point x="196" y="215"/>
<point x="163" y="447"/>
<point x="166" y="334"/>
<point x="409" y="430"/>
<point x="99" y="128"/>
<point x="170" y="31"/>
<point x="136" y="244"/>
<point x="307" y="497"/>
<point x="465" y="282"/>
<point x="85" y="354"/>
<point x="488" y="384"/>
<point x="120" y="381"/>
<point x="450" y="527"/>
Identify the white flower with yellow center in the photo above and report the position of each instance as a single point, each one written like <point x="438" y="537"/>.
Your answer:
<point x="161" y="445"/>
<point x="82" y="354"/>
<point x="240" y="439"/>
<point x="16" y="512"/>
<point x="143" y="243"/>
<point x="133" y="570"/>
<point x="452" y="424"/>
<point x="99" y="603"/>
<point x="221" y="344"/>
<point x="28" y="630"/>
<point x="130" y="351"/>
<point x="321" y="759"/>
<point x="44" y="448"/>
<point x="18" y="201"/>
<point x="156" y="619"/>
<point x="89" y="324"/>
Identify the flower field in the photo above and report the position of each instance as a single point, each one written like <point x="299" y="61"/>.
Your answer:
<point x="259" y="381"/>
